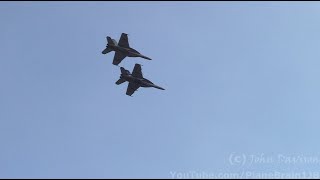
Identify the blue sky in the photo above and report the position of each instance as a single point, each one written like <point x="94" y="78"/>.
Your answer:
<point x="240" y="77"/>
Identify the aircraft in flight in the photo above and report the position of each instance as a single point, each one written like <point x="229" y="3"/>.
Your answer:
<point x="135" y="79"/>
<point x="122" y="49"/>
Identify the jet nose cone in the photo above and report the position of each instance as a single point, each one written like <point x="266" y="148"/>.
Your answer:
<point x="145" y="57"/>
<point x="158" y="87"/>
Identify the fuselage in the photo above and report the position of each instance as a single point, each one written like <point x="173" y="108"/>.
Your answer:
<point x="143" y="82"/>
<point x="130" y="52"/>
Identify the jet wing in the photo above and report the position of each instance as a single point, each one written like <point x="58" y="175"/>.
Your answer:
<point x="137" y="71"/>
<point x="123" y="42"/>
<point x="118" y="57"/>
<point x="132" y="87"/>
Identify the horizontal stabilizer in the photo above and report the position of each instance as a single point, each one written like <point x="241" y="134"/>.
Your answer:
<point x="120" y="81"/>
<point x="106" y="50"/>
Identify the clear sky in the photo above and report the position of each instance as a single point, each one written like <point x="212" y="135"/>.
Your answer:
<point x="240" y="77"/>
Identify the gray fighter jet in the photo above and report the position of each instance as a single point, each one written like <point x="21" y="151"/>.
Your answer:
<point x="135" y="80"/>
<point x="122" y="49"/>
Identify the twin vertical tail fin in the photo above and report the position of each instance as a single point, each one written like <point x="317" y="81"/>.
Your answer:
<point x="123" y="72"/>
<point x="110" y="42"/>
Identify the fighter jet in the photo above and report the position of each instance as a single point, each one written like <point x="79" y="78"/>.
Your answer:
<point x="135" y="79"/>
<point x="122" y="49"/>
